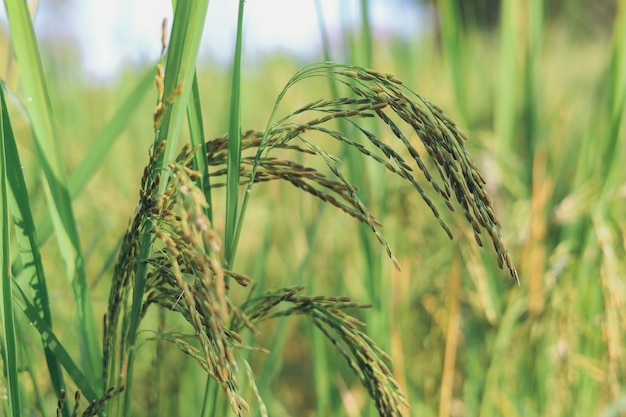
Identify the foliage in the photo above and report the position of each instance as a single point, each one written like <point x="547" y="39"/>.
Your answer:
<point x="170" y="253"/>
<point x="183" y="267"/>
<point x="461" y="341"/>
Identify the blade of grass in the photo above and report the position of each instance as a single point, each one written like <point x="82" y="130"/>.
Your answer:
<point x="300" y="75"/>
<point x="180" y="67"/>
<point x="234" y="149"/>
<point x="451" y="29"/>
<point x="533" y="32"/>
<point x="105" y="140"/>
<point x="369" y="173"/>
<point x="83" y="383"/>
<point x="366" y="35"/>
<point x="533" y="153"/>
<point x="213" y="400"/>
<point x="8" y="321"/>
<point x="507" y="92"/>
<point x="196" y="134"/>
<point x="29" y="253"/>
<point x="95" y="156"/>
<point x="49" y="154"/>
<point x="373" y="177"/>
<point x="233" y="217"/>
<point x="29" y="240"/>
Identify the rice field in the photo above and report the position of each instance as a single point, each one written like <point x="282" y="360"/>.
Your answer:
<point x="200" y="240"/>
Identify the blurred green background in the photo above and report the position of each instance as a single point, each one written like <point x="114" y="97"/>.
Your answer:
<point x="539" y="87"/>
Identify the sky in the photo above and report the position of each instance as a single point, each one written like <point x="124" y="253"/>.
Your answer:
<point x="109" y="34"/>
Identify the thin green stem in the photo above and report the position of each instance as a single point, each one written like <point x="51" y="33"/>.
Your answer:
<point x="234" y="150"/>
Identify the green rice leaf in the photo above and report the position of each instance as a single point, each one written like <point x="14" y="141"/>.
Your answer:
<point x="234" y="149"/>
<point x="49" y="153"/>
<point x="508" y="94"/>
<point x="451" y="37"/>
<point x="6" y="288"/>
<point x="196" y="133"/>
<point x="27" y="240"/>
<point x="97" y="152"/>
<point x="83" y="383"/>
<point x="108" y="136"/>
<point x="180" y="67"/>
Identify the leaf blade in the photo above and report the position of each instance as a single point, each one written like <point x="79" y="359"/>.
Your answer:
<point x="47" y="143"/>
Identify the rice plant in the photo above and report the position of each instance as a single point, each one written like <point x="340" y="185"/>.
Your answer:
<point x="173" y="259"/>
<point x="184" y="271"/>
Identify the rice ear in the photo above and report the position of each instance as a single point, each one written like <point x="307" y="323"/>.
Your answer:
<point x="447" y="164"/>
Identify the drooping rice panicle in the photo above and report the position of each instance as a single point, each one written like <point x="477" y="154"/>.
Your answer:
<point x="385" y="97"/>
